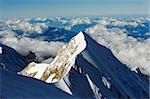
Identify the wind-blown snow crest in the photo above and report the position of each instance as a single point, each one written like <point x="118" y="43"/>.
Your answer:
<point x="62" y="63"/>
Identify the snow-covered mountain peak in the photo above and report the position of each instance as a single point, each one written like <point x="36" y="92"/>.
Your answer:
<point x="62" y="63"/>
<point x="97" y="71"/>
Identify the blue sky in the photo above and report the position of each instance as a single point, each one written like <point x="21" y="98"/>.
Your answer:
<point x="45" y="8"/>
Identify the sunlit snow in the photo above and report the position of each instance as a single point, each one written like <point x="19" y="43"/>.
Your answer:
<point x="62" y="63"/>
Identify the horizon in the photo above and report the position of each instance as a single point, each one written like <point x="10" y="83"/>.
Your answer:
<point x="67" y="8"/>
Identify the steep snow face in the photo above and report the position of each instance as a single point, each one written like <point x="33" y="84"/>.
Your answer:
<point x="14" y="86"/>
<point x="10" y="59"/>
<point x="107" y="76"/>
<point x="62" y="63"/>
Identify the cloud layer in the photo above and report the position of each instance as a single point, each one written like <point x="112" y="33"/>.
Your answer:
<point x="129" y="50"/>
<point x="123" y="36"/>
<point x="24" y="44"/>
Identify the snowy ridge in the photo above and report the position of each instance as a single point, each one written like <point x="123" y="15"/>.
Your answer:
<point x="96" y="73"/>
<point x="62" y="63"/>
<point x="10" y="59"/>
<point x="114" y="79"/>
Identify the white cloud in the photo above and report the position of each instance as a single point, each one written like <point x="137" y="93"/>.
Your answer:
<point x="31" y="28"/>
<point x="127" y="49"/>
<point x="7" y="33"/>
<point x="25" y="26"/>
<point x="148" y="33"/>
<point x="39" y="19"/>
<point x="77" y="21"/>
<point x="48" y="61"/>
<point x="24" y="45"/>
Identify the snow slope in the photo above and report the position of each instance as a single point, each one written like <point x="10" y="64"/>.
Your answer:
<point x="99" y="74"/>
<point x="98" y="63"/>
<point x="14" y="86"/>
<point x="97" y="71"/>
<point x="11" y="60"/>
<point x="92" y="71"/>
<point x="62" y="63"/>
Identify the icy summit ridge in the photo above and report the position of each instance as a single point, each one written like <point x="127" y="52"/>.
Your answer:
<point x="62" y="63"/>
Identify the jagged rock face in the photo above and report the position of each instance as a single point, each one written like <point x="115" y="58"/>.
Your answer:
<point x="30" y="57"/>
<point x="11" y="60"/>
<point x="62" y="63"/>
